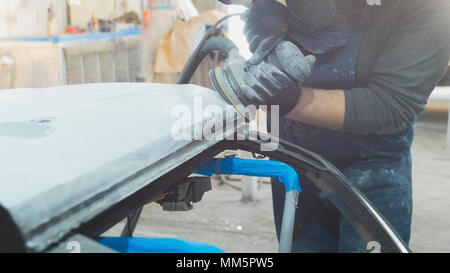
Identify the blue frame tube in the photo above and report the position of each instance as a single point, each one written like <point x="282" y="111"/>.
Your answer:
<point x="264" y="168"/>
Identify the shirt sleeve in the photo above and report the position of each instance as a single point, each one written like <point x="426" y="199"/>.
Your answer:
<point x="414" y="59"/>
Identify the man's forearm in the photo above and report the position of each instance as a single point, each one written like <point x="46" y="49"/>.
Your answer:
<point x="324" y="108"/>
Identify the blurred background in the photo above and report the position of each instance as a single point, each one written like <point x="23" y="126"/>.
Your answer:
<point x="57" y="42"/>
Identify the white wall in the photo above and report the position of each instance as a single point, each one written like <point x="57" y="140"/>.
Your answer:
<point x="28" y="18"/>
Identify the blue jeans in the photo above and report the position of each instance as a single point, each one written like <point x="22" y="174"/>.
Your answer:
<point x="320" y="227"/>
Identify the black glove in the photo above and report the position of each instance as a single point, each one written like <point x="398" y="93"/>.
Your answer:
<point x="266" y="25"/>
<point x="278" y="79"/>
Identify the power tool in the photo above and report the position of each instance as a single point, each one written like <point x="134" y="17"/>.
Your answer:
<point x="229" y="80"/>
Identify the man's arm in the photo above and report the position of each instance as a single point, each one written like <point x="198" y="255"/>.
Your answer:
<point x="405" y="73"/>
<point x="324" y="108"/>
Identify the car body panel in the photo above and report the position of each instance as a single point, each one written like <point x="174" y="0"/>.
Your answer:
<point x="70" y="152"/>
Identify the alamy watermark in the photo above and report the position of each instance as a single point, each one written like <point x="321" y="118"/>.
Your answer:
<point x="216" y="122"/>
<point x="374" y="2"/>
<point x="374" y="247"/>
<point x="73" y="247"/>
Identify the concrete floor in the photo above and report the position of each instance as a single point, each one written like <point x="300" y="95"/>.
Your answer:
<point x="431" y="185"/>
<point x="224" y="220"/>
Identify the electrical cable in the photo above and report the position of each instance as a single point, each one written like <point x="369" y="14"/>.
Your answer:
<point x="199" y="52"/>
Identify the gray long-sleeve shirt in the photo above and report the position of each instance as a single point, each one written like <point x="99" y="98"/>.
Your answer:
<point x="405" y="52"/>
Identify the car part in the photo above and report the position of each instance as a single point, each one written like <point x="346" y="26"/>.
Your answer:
<point x="182" y="196"/>
<point x="122" y="155"/>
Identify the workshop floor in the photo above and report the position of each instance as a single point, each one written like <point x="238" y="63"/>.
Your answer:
<point x="222" y="219"/>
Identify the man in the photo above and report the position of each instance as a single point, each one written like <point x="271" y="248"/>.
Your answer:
<point x="376" y="63"/>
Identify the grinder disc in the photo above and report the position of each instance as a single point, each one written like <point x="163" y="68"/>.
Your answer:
<point x="221" y="83"/>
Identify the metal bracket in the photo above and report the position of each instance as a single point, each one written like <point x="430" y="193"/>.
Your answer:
<point x="184" y="195"/>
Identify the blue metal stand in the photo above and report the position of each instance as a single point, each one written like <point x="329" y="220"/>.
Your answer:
<point x="264" y="168"/>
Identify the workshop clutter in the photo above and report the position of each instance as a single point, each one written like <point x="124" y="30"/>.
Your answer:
<point x="176" y="46"/>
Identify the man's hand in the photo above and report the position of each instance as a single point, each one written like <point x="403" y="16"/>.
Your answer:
<point x="277" y="81"/>
<point x="266" y="26"/>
